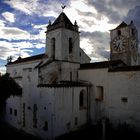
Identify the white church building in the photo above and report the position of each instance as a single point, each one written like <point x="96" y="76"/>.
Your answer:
<point x="62" y="91"/>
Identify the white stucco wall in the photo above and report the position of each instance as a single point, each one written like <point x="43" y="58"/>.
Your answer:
<point x="16" y="70"/>
<point x="62" y="36"/>
<point x="67" y="109"/>
<point x="117" y="85"/>
<point x="14" y="104"/>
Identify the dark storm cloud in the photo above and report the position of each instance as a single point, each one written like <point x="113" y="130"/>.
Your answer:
<point x="87" y="22"/>
<point x="115" y="10"/>
<point x="134" y="15"/>
<point x="87" y="14"/>
<point x="99" y="42"/>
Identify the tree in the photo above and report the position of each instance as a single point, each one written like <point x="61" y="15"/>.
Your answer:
<point x="8" y="87"/>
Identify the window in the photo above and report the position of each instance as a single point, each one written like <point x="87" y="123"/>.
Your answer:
<point x="35" y="116"/>
<point x="15" y="112"/>
<point x="119" y="32"/>
<point x="30" y="69"/>
<point x="23" y="121"/>
<point x="132" y="31"/>
<point x="29" y="108"/>
<point x="76" y="121"/>
<point x="45" y="126"/>
<point x="124" y="99"/>
<point x="70" y="76"/>
<point x="83" y="99"/>
<point x="53" y="47"/>
<point x="77" y="75"/>
<point x="99" y="93"/>
<point x="70" y="45"/>
<point x="11" y="111"/>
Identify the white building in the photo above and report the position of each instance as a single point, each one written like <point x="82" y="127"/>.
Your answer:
<point x="62" y="91"/>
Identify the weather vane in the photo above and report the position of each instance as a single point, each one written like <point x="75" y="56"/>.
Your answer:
<point x="63" y="6"/>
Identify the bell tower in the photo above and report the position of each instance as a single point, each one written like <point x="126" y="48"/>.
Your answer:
<point x="62" y="40"/>
<point x="124" y="44"/>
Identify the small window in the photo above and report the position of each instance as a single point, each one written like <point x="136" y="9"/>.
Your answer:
<point x="77" y="75"/>
<point x="11" y="111"/>
<point x="15" y="112"/>
<point x="70" y="76"/>
<point x="53" y="47"/>
<point x="124" y="99"/>
<point x="29" y="108"/>
<point x="119" y="32"/>
<point x="23" y="121"/>
<point x="30" y="69"/>
<point x="99" y="93"/>
<point x="76" y="121"/>
<point x="70" y="45"/>
<point x="83" y="99"/>
<point x="132" y="31"/>
<point x="35" y="116"/>
<point x="45" y="126"/>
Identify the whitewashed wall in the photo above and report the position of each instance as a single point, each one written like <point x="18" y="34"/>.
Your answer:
<point x="16" y="70"/>
<point x="116" y="86"/>
<point x="62" y="36"/>
<point x="14" y="103"/>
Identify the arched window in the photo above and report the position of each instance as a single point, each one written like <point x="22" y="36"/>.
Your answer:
<point x="132" y="31"/>
<point x="70" y="45"/>
<point x="53" y="47"/>
<point x="119" y="32"/>
<point x="83" y="99"/>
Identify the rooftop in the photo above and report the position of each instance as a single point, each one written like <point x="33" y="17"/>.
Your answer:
<point x="113" y="66"/>
<point x="122" y="25"/>
<point x="62" y="22"/>
<point x="27" y="59"/>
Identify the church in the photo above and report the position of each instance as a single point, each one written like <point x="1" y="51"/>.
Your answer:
<point x="62" y="91"/>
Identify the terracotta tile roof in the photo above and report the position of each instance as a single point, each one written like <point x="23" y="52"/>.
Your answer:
<point x="27" y="59"/>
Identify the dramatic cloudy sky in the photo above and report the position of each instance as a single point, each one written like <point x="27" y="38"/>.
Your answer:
<point x="23" y="23"/>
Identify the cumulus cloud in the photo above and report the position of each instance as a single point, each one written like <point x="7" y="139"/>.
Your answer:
<point x="14" y="49"/>
<point x="2" y="69"/>
<point x="39" y="7"/>
<point x="13" y="33"/>
<point x="9" y="16"/>
<point x="99" y="44"/>
<point x="2" y="23"/>
<point x="114" y="10"/>
<point x="134" y="14"/>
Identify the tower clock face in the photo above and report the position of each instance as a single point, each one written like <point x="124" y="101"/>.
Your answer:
<point x="119" y="43"/>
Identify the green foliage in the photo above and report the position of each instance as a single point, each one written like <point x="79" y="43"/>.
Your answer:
<point x="8" y="87"/>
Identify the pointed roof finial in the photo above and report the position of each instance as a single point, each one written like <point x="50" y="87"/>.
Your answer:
<point x="131" y="22"/>
<point x="75" y="23"/>
<point x="50" y="22"/>
<point x="63" y="6"/>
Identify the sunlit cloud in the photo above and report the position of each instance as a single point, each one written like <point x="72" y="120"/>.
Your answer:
<point x="9" y="16"/>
